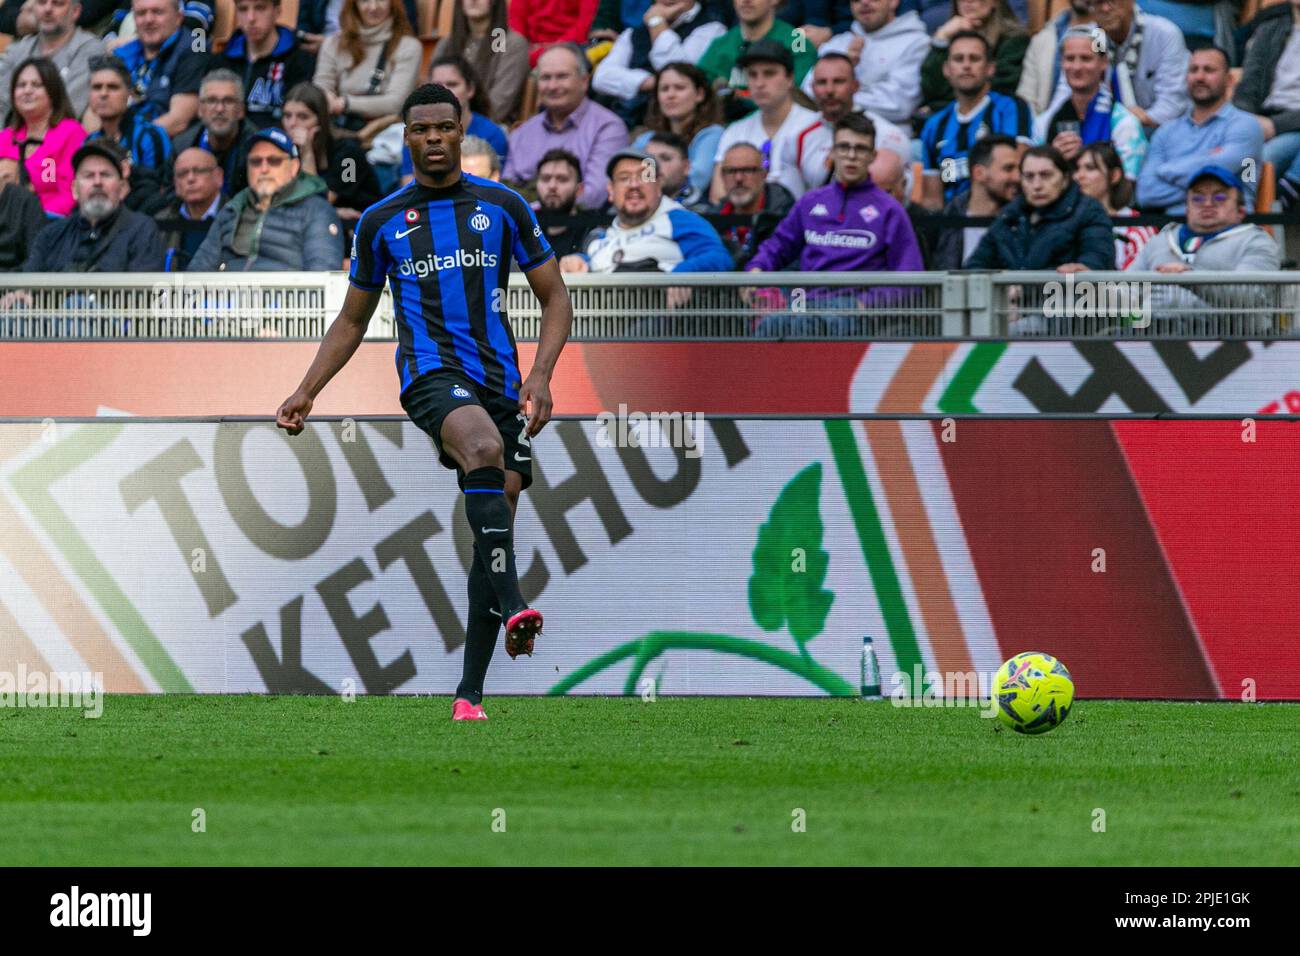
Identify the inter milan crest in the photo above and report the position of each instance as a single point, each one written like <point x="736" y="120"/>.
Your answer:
<point x="479" y="222"/>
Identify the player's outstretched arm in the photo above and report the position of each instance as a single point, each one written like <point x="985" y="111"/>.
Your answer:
<point x="557" y="320"/>
<point x="340" y="342"/>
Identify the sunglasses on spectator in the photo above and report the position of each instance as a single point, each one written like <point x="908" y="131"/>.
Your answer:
<point x="1201" y="199"/>
<point x="275" y="162"/>
<point x="741" y="170"/>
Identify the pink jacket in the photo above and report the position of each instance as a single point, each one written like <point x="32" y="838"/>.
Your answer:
<point x="55" y="193"/>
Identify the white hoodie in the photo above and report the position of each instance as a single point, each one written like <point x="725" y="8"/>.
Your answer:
<point x="889" y="69"/>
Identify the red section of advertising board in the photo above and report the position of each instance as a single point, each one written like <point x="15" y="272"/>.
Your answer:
<point x="252" y="378"/>
<point x="1037" y="499"/>
<point x="1225" y="511"/>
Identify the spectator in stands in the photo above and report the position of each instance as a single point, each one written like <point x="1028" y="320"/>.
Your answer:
<point x="42" y="134"/>
<point x="849" y="225"/>
<point x="222" y="129"/>
<point x="1270" y="89"/>
<point x="978" y="110"/>
<point x="164" y="65"/>
<point x="1041" y="70"/>
<point x="314" y="23"/>
<point x="568" y="120"/>
<point x="650" y="232"/>
<point x="834" y="85"/>
<point x="686" y="106"/>
<point x="145" y="144"/>
<point x="818" y="19"/>
<point x="1085" y="110"/>
<point x="548" y="22"/>
<point x="769" y="70"/>
<point x="673" y="30"/>
<point x="1148" y="59"/>
<point x="350" y="181"/>
<point x="887" y="52"/>
<point x="100" y="235"/>
<point x="190" y="211"/>
<point x="1214" y="239"/>
<point x="455" y="73"/>
<point x="1212" y="131"/>
<point x="749" y="194"/>
<point x="888" y="172"/>
<point x="559" y="179"/>
<point x="18" y="18"/>
<point x="371" y="65"/>
<point x="755" y="20"/>
<point x="21" y="215"/>
<point x="480" y="33"/>
<point x="994" y="182"/>
<point x="282" y="221"/>
<point x="57" y="38"/>
<point x="1006" y="39"/>
<point x="674" y="166"/>
<point x="478" y="158"/>
<point x="1100" y="174"/>
<point x="1051" y="224"/>
<point x="267" y="57"/>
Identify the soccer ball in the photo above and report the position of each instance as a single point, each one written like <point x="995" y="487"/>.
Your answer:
<point x="1034" y="693"/>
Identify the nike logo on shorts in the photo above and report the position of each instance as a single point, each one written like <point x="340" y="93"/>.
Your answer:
<point x="490" y="530"/>
<point x="519" y="457"/>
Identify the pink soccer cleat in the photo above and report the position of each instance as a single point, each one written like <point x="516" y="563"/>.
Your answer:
<point x="521" y="630"/>
<point x="461" y="709"/>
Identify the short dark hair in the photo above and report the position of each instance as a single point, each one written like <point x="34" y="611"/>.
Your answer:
<point x="857" y="123"/>
<point x="981" y="154"/>
<point x="969" y="35"/>
<point x="671" y="140"/>
<point x="1227" y="63"/>
<point x="558" y="155"/>
<point x="427" y="95"/>
<point x="98" y="64"/>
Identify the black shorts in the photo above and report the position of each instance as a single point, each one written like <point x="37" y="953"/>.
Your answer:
<point x="434" y="395"/>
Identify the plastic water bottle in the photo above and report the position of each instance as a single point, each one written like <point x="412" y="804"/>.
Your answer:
<point x="870" y="684"/>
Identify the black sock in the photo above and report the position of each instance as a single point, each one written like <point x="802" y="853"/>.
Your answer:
<point x="490" y="520"/>
<point x="480" y="634"/>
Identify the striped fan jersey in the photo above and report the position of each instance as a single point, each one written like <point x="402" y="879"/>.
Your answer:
<point x="446" y="255"/>
<point x="947" y="137"/>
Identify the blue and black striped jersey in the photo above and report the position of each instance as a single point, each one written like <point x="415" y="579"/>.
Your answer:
<point x="947" y="137"/>
<point x="446" y="255"/>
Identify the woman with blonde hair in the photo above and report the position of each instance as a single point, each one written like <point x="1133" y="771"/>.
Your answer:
<point x="370" y="66"/>
<point x="994" y="21"/>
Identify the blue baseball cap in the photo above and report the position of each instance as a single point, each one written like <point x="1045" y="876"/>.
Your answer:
<point x="277" y="138"/>
<point x="1225" y="176"/>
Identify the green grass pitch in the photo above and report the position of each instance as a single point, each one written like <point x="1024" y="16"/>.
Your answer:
<point x="300" y="780"/>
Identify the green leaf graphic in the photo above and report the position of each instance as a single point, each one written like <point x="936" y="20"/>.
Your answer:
<point x="789" y="563"/>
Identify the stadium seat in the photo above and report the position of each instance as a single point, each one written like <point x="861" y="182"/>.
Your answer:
<point x="428" y="30"/>
<point x="528" y="102"/>
<point x="918" y="190"/>
<point x="5" y="40"/>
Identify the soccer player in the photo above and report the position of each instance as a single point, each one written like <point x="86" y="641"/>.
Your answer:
<point x="444" y="243"/>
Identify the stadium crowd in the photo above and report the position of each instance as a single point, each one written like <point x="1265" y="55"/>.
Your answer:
<point x="673" y="136"/>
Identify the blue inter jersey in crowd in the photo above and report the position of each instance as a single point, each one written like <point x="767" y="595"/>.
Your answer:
<point x="946" y="139"/>
<point x="446" y="256"/>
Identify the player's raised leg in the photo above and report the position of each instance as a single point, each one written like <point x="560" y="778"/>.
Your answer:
<point x="472" y="439"/>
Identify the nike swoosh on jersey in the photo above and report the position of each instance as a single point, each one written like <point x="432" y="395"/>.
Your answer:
<point x="403" y="233"/>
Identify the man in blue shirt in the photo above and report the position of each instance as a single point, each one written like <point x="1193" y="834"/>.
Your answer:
<point x="977" y="111"/>
<point x="1213" y="131"/>
<point x="443" y="244"/>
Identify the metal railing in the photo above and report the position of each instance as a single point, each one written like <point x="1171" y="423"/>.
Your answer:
<point x="913" y="305"/>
